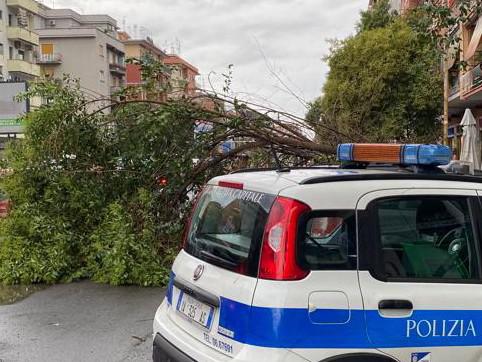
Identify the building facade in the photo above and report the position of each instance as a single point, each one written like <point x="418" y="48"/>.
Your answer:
<point x="138" y="49"/>
<point x="85" y="46"/>
<point x="465" y="81"/>
<point x="18" y="40"/>
<point x="182" y="78"/>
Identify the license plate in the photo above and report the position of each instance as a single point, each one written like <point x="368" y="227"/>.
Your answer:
<point x="195" y="310"/>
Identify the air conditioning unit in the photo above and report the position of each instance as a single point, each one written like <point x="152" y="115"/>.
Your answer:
<point x="52" y="23"/>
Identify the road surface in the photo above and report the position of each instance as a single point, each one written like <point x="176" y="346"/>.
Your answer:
<point x="80" y="322"/>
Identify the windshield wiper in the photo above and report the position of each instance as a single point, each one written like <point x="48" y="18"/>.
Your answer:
<point x="219" y="260"/>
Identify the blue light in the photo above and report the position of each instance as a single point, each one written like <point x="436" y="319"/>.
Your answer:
<point x="345" y="152"/>
<point x="430" y="155"/>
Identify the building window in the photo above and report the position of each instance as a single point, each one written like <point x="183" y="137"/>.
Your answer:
<point x="10" y="19"/>
<point x="10" y="53"/>
<point x="47" y="48"/>
<point x="1" y="15"/>
<point x="101" y="50"/>
<point x="1" y="48"/>
<point x="102" y="76"/>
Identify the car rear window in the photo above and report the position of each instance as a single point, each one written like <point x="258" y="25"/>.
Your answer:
<point x="327" y="241"/>
<point x="227" y="228"/>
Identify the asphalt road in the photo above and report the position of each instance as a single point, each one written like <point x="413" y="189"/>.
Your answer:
<point x="80" y="322"/>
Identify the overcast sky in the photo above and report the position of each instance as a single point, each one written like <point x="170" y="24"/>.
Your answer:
<point x="263" y="39"/>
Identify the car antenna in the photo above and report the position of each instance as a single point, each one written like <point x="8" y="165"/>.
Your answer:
<point x="279" y="166"/>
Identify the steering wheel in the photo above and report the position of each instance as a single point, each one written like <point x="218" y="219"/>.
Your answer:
<point x="454" y="250"/>
<point x="446" y="236"/>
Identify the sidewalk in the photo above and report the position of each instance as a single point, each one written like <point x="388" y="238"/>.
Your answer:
<point x="80" y="322"/>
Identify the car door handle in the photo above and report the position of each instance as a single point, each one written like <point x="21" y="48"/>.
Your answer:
<point x="395" y="304"/>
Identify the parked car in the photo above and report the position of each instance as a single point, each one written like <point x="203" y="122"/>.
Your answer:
<point x="362" y="263"/>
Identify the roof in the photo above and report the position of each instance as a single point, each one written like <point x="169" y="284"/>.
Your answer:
<point x="146" y="43"/>
<point x="350" y="184"/>
<point x="174" y="59"/>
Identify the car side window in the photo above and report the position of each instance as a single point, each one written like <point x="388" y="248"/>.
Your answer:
<point x="427" y="238"/>
<point x="328" y="241"/>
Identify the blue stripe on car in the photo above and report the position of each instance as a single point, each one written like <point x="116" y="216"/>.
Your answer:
<point x="293" y="328"/>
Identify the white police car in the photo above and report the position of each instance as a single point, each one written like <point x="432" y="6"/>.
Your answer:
<point x="349" y="264"/>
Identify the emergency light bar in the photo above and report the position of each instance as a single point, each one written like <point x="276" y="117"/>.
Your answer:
<point x="421" y="155"/>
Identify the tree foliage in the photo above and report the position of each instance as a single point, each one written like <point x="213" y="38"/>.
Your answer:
<point x="380" y="16"/>
<point x="384" y="85"/>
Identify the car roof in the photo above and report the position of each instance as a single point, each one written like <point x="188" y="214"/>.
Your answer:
<point x="274" y="181"/>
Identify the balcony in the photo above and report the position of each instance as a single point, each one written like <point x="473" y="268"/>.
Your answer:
<point x="29" y="5"/>
<point x="115" y="89"/>
<point x="46" y="59"/>
<point x="22" y="66"/>
<point x="27" y="36"/>
<point x="471" y="81"/>
<point x="117" y="68"/>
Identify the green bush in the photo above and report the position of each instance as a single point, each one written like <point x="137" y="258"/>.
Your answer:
<point x="35" y="248"/>
<point x="118" y="255"/>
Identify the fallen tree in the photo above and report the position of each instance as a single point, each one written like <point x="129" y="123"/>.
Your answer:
<point x="100" y="187"/>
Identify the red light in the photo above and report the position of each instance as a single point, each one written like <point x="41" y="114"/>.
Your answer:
<point x="278" y="253"/>
<point x="231" y="185"/>
<point x="163" y="181"/>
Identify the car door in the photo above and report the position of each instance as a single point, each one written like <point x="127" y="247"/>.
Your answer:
<point x="420" y="273"/>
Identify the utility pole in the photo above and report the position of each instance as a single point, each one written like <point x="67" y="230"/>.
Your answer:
<point x="446" y="101"/>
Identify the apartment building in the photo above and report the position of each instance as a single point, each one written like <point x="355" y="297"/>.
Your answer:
<point x="182" y="78"/>
<point x="465" y="81"/>
<point x="18" y="40"/>
<point x="85" y="46"/>
<point x="143" y="49"/>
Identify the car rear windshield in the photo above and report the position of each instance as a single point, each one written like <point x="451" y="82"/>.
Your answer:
<point x="227" y="228"/>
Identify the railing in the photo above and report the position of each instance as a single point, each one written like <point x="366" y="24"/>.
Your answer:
<point x="454" y="88"/>
<point x="116" y="89"/>
<point x="471" y="80"/>
<point x="23" y="66"/>
<point x="26" y="35"/>
<point x="55" y="58"/>
<point x="117" y="68"/>
<point x="30" y="5"/>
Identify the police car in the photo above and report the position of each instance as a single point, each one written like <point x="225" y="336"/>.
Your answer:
<point x="360" y="263"/>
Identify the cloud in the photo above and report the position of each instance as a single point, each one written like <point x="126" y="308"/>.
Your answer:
<point x="289" y="35"/>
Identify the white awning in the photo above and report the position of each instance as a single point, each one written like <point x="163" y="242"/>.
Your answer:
<point x="475" y="41"/>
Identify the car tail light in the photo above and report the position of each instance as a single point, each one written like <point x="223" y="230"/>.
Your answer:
<point x="278" y="253"/>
